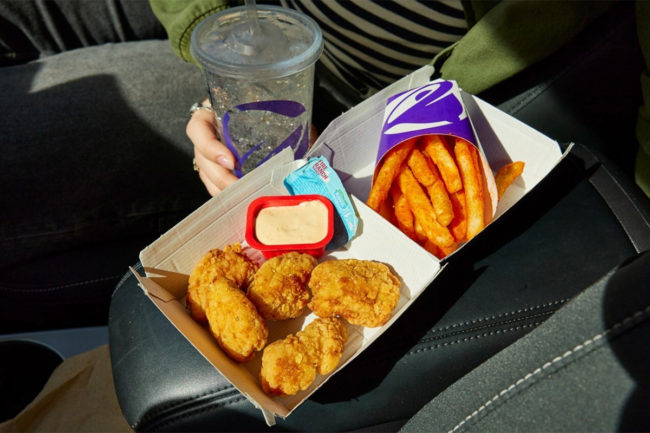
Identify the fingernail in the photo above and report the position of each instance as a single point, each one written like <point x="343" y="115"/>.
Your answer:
<point x="225" y="162"/>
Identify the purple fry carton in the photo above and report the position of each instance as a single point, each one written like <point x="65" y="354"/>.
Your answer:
<point x="434" y="108"/>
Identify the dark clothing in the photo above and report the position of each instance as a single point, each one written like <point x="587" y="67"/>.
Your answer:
<point x="34" y="29"/>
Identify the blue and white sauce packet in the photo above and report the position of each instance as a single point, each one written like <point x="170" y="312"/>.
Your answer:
<point x="318" y="177"/>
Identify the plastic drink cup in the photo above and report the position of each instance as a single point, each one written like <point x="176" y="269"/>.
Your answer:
<point x="259" y="69"/>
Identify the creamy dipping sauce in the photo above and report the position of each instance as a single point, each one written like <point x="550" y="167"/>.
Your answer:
<point x="304" y="223"/>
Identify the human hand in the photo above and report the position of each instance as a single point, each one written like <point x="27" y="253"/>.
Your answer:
<point x="212" y="159"/>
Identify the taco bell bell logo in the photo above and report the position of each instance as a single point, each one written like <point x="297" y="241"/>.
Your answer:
<point x="435" y="108"/>
<point x="297" y="139"/>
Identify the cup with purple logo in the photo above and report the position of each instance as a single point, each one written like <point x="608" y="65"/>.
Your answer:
<point x="259" y="68"/>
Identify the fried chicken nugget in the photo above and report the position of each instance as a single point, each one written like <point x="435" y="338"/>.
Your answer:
<point x="279" y="288"/>
<point x="230" y="263"/>
<point x="324" y="340"/>
<point x="234" y="320"/>
<point x="361" y="291"/>
<point x="290" y="365"/>
<point x="285" y="368"/>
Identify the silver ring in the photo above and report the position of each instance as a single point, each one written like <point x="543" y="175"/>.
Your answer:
<point x="199" y="106"/>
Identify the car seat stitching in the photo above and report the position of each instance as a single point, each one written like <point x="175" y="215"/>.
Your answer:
<point x="502" y="323"/>
<point x="638" y="315"/>
<point x="157" y="425"/>
<point x="231" y="400"/>
<point x="63" y="286"/>
<point x="191" y="412"/>
<point x="224" y="392"/>
<point x="475" y="337"/>
<point x="498" y="316"/>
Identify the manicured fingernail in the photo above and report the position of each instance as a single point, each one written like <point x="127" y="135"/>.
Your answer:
<point x="225" y="162"/>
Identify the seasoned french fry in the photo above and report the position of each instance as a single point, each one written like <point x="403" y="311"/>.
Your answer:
<point x="420" y="168"/>
<point x="403" y="213"/>
<point x="422" y="209"/>
<point x="386" y="210"/>
<point x="420" y="234"/>
<point x="440" y="197"/>
<point x="438" y="251"/>
<point x="507" y="174"/>
<point x="387" y="173"/>
<point x="431" y="247"/>
<point x="435" y="147"/>
<point x="487" y="201"/>
<point x="445" y="251"/>
<point x="427" y="174"/>
<point x="441" y="203"/>
<point x="458" y="225"/>
<point x="473" y="185"/>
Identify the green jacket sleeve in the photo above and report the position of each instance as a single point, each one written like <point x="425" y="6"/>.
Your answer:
<point x="508" y="36"/>
<point x="179" y="18"/>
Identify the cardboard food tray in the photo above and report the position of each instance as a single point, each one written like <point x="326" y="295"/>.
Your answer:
<point x="350" y="144"/>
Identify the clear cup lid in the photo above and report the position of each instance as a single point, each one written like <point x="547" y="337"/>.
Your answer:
<point x="282" y="42"/>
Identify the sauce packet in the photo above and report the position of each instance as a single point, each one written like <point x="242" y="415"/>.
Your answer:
<point x="318" y="177"/>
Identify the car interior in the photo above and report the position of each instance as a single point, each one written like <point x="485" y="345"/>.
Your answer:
<point x="568" y="263"/>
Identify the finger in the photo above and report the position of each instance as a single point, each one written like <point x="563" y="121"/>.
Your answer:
<point x="212" y="188"/>
<point x="200" y="130"/>
<point x="217" y="175"/>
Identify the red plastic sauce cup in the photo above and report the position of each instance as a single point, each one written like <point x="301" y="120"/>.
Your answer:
<point x="316" y="249"/>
